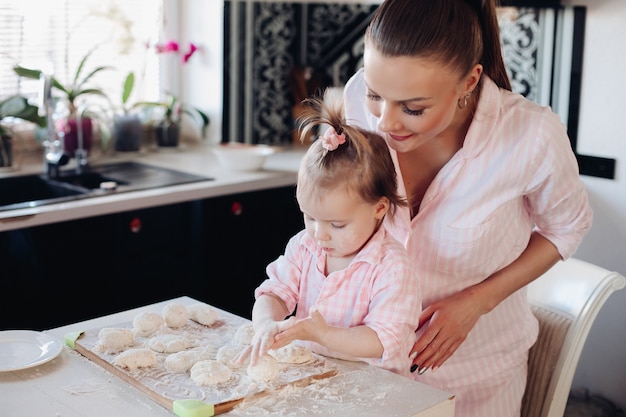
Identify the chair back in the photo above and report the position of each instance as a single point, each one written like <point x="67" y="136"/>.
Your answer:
<point x="566" y="300"/>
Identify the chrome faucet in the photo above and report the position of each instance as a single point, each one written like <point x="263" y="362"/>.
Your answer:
<point x="54" y="151"/>
<point x="80" y="153"/>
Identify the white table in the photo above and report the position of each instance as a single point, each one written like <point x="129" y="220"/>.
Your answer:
<point x="73" y="386"/>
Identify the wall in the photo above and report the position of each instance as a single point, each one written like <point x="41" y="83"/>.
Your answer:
<point x="602" y="132"/>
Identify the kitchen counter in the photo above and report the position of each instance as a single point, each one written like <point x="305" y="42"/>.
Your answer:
<point x="72" y="386"/>
<point x="280" y="169"/>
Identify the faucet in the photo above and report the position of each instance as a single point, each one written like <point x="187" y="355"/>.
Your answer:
<point x="80" y="153"/>
<point x="54" y="151"/>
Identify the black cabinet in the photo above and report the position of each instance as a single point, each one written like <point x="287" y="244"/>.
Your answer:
<point x="214" y="250"/>
<point x="242" y="234"/>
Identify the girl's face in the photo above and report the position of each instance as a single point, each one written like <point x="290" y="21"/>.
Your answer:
<point x="340" y="222"/>
<point x="415" y="99"/>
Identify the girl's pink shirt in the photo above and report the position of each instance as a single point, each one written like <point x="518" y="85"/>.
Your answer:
<point x="515" y="174"/>
<point x="379" y="289"/>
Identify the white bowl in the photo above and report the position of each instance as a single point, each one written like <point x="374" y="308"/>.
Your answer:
<point x="242" y="157"/>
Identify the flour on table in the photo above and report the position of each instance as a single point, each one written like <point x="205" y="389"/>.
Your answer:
<point x="244" y="334"/>
<point x="202" y="313"/>
<point x="292" y="353"/>
<point x="169" y="343"/>
<point x="136" y="358"/>
<point x="147" y="323"/>
<point x="175" y="315"/>
<point x="181" y="361"/>
<point x="228" y="352"/>
<point x="266" y="369"/>
<point x="113" y="340"/>
<point x="210" y="372"/>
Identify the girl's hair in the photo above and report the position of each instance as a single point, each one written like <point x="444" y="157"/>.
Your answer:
<point x="457" y="33"/>
<point x="363" y="163"/>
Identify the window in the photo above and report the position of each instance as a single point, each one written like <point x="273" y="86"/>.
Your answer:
<point x="54" y="35"/>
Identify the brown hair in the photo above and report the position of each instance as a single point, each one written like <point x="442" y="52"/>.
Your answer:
<point x="457" y="33"/>
<point x="363" y="163"/>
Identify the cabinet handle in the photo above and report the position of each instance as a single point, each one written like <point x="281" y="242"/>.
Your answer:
<point x="135" y="225"/>
<point x="236" y="208"/>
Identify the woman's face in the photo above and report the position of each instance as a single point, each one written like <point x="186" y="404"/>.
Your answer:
<point x="415" y="99"/>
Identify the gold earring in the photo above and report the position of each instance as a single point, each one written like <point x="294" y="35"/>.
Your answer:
<point x="463" y="104"/>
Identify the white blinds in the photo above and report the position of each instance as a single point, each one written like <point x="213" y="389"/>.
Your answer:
<point x="56" y="35"/>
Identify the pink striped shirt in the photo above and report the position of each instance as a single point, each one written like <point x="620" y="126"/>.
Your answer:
<point x="379" y="289"/>
<point x="515" y="173"/>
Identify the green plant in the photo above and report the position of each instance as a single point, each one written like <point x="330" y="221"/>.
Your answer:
<point x="174" y="109"/>
<point x="72" y="91"/>
<point x="18" y="107"/>
<point x="78" y="87"/>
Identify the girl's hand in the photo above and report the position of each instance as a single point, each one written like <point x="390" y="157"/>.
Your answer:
<point x="313" y="328"/>
<point x="263" y="339"/>
<point x="447" y="321"/>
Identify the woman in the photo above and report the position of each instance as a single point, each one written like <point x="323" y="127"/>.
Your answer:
<point x="494" y="194"/>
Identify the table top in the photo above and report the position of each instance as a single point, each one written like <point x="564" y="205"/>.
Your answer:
<point x="70" y="385"/>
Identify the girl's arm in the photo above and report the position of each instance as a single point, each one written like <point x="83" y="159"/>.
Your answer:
<point x="358" y="341"/>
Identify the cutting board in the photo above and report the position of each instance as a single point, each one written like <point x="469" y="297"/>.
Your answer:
<point x="164" y="386"/>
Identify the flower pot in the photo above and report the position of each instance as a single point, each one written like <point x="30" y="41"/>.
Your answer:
<point x="70" y="127"/>
<point x="167" y="134"/>
<point x="6" y="151"/>
<point x="127" y="132"/>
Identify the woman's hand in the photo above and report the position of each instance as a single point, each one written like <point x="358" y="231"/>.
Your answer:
<point x="447" y="321"/>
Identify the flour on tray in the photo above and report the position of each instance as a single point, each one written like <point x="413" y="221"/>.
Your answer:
<point x="178" y="346"/>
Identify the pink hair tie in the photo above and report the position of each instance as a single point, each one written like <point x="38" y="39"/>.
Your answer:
<point x="331" y="140"/>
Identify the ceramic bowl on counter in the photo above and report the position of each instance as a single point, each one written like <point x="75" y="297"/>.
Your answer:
<point x="242" y="157"/>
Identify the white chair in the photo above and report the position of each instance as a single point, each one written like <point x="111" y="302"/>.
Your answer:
<point x="566" y="300"/>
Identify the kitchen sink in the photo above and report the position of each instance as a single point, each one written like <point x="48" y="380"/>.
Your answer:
<point x="37" y="189"/>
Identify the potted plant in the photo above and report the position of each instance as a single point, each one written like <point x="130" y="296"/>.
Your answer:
<point x="167" y="127"/>
<point x="78" y="88"/>
<point x="127" y="126"/>
<point x="14" y="107"/>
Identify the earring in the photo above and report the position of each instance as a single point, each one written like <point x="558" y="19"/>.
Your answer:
<point x="463" y="104"/>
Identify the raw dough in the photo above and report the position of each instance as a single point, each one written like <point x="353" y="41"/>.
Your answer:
<point x="169" y="343"/>
<point x="202" y="313"/>
<point x="227" y="353"/>
<point x="244" y="334"/>
<point x="136" y="358"/>
<point x="175" y="315"/>
<point x="266" y="369"/>
<point x="210" y="372"/>
<point x="113" y="339"/>
<point x="181" y="361"/>
<point x="147" y="323"/>
<point x="292" y="353"/>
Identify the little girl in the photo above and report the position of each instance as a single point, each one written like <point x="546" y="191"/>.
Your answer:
<point x="350" y="286"/>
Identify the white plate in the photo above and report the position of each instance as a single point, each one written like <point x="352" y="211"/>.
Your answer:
<point x="21" y="349"/>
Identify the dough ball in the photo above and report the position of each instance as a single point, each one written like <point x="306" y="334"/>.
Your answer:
<point x="181" y="361"/>
<point x="292" y="353"/>
<point x="114" y="339"/>
<point x="175" y="315"/>
<point x="147" y="323"/>
<point x="136" y="358"/>
<point x="210" y="372"/>
<point x="227" y="353"/>
<point x="169" y="343"/>
<point x="244" y="333"/>
<point x="202" y="313"/>
<point x="266" y="369"/>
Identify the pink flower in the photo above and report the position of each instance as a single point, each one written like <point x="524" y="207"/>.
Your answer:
<point x="192" y="48"/>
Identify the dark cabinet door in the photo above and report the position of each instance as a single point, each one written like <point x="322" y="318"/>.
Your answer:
<point x="243" y="233"/>
<point x="65" y="272"/>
